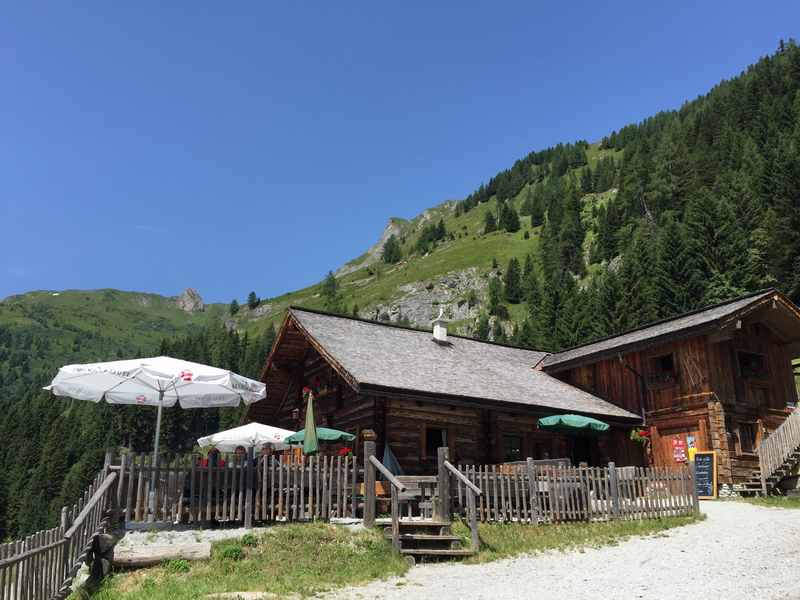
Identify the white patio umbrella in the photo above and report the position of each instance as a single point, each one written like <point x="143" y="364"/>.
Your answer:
<point x="159" y="381"/>
<point x="252" y="435"/>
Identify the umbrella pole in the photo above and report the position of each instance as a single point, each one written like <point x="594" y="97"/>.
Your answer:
<point x="155" y="457"/>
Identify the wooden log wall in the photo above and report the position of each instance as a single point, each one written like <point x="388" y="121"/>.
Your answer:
<point x="551" y="494"/>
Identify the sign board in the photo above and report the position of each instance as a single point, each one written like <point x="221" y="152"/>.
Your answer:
<point x="705" y="475"/>
<point x="679" y="449"/>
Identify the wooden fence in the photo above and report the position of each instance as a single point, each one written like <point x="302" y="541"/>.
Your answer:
<point x="43" y="565"/>
<point x="239" y="489"/>
<point x="551" y="494"/>
<point x="777" y="448"/>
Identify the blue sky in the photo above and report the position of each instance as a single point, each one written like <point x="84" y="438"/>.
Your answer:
<point x="254" y="146"/>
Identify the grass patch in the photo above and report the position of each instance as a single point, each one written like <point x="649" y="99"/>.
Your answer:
<point x="503" y="540"/>
<point x="291" y="559"/>
<point x="774" y="501"/>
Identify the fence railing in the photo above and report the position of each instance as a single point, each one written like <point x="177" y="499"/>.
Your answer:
<point x="239" y="489"/>
<point x="774" y="450"/>
<point x="43" y="565"/>
<point x="550" y="494"/>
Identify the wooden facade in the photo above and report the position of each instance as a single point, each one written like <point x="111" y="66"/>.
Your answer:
<point x="726" y="386"/>
<point x="415" y="423"/>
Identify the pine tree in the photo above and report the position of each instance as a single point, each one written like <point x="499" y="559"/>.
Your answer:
<point x="489" y="222"/>
<point x="495" y="304"/>
<point x="482" y="328"/>
<point x="253" y="301"/>
<point x="391" y="252"/>
<point x="670" y="287"/>
<point x="509" y="219"/>
<point x="587" y="181"/>
<point x="233" y="308"/>
<point x="498" y="333"/>
<point x="513" y="288"/>
<point x="331" y="296"/>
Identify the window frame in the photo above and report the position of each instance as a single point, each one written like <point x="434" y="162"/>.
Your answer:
<point x="426" y="452"/>
<point x="756" y="427"/>
<point x="763" y="376"/>
<point x="656" y="379"/>
<point x="517" y="436"/>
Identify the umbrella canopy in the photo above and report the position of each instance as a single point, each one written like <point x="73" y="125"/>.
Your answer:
<point x="252" y="435"/>
<point x="572" y="424"/>
<point x="324" y="434"/>
<point x="310" y="442"/>
<point x="159" y="381"/>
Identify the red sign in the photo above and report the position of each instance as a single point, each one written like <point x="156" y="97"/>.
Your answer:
<point x="679" y="449"/>
<point x="187" y="375"/>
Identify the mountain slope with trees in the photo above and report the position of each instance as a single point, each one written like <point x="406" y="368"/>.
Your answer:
<point x="581" y="240"/>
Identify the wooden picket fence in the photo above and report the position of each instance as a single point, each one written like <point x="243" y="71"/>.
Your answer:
<point x="553" y="494"/>
<point x="239" y="489"/>
<point x="43" y="565"/>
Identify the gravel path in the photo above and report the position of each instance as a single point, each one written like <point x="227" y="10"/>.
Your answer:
<point x="739" y="552"/>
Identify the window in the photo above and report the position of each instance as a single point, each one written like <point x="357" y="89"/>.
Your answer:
<point x="435" y="438"/>
<point x="752" y="365"/>
<point x="748" y="433"/>
<point x="512" y="448"/>
<point x="663" y="370"/>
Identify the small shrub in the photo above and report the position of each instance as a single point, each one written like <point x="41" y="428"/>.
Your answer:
<point x="248" y="539"/>
<point x="177" y="565"/>
<point x="231" y="552"/>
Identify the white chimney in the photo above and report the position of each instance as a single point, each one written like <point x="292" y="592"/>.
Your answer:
<point x="440" y="328"/>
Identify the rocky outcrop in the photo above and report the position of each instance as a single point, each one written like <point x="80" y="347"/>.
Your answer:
<point x="459" y="293"/>
<point x="190" y="301"/>
<point x="372" y="255"/>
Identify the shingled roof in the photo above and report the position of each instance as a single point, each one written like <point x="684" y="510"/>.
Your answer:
<point x="659" y="332"/>
<point x="384" y="356"/>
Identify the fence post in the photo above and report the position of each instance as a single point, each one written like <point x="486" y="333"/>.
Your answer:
<point x="613" y="484"/>
<point x="443" y="485"/>
<point x="248" y="494"/>
<point x="695" y="499"/>
<point x="369" y="484"/>
<point x="533" y="490"/>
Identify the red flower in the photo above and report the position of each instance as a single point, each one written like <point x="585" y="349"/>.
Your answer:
<point x="345" y="451"/>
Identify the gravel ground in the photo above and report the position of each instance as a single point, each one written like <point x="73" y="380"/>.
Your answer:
<point x="740" y="551"/>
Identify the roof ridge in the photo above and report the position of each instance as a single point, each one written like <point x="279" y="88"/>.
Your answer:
<point x="411" y="328"/>
<point x="696" y="311"/>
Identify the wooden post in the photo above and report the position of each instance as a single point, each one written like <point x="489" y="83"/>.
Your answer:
<point x="395" y="520"/>
<point x="695" y="499"/>
<point x="473" y="519"/>
<point x="613" y="484"/>
<point x="442" y="507"/>
<point x="248" y="494"/>
<point x="369" y="483"/>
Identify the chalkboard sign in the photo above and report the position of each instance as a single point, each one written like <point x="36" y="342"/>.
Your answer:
<point x="705" y="475"/>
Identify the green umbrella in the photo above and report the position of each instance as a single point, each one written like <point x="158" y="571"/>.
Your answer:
<point x="310" y="442"/>
<point x="572" y="424"/>
<point x="324" y="434"/>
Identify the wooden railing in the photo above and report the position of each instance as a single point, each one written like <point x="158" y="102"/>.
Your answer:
<point x="238" y="489"/>
<point x="397" y="488"/>
<point x="472" y="492"/>
<point x="774" y="451"/>
<point x="549" y="494"/>
<point x="43" y="565"/>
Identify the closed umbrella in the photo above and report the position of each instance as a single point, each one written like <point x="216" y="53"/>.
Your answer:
<point x="310" y="442"/>
<point x="252" y="435"/>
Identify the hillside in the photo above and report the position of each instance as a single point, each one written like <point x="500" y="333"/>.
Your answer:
<point x="577" y="241"/>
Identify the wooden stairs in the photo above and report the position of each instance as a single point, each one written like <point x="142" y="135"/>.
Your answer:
<point x="754" y="487"/>
<point x="422" y="540"/>
<point x="778" y="458"/>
